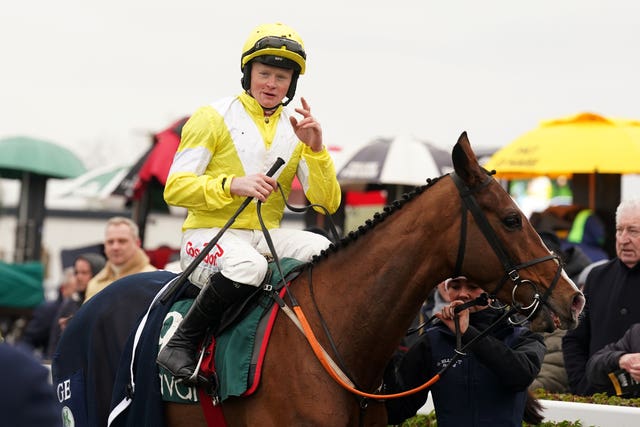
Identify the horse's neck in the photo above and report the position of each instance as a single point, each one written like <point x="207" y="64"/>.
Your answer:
<point x="376" y="285"/>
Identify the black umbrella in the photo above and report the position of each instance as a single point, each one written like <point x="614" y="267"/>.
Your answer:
<point x="396" y="161"/>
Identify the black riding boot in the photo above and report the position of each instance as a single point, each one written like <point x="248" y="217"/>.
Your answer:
<point x="179" y="355"/>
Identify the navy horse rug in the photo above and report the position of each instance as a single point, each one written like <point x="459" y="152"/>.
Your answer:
<point x="133" y="383"/>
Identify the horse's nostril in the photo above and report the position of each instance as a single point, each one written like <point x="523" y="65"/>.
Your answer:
<point x="578" y="303"/>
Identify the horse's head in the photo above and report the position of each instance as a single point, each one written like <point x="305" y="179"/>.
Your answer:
<point x="501" y="251"/>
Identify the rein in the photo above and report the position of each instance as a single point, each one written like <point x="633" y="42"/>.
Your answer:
<point x="510" y="268"/>
<point x="298" y="318"/>
<point x="511" y="273"/>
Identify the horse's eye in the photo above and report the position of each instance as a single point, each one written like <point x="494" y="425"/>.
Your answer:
<point x="513" y="221"/>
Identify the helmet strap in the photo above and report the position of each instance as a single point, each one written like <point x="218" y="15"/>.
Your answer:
<point x="292" y="88"/>
<point x="265" y="109"/>
<point x="245" y="81"/>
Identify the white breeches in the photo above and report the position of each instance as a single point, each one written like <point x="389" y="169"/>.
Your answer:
<point x="240" y="254"/>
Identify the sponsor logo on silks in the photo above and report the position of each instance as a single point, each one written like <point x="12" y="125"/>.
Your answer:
<point x="210" y="259"/>
<point x="67" y="417"/>
<point x="171" y="389"/>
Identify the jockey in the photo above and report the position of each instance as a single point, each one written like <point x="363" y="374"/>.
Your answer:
<point x="225" y="150"/>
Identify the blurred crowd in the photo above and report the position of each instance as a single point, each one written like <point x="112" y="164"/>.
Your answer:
<point x="601" y="355"/>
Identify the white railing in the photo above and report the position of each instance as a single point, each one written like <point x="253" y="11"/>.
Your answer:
<point x="589" y="414"/>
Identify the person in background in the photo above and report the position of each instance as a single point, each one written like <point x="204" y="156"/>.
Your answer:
<point x="85" y="267"/>
<point x="612" y="295"/>
<point x="36" y="334"/>
<point x="487" y="386"/>
<point x="576" y="227"/>
<point x="622" y="354"/>
<point x="27" y="398"/>
<point x="553" y="376"/>
<point x="225" y="150"/>
<point x="587" y="233"/>
<point x="123" y="252"/>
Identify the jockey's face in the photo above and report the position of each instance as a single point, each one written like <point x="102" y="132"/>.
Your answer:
<point x="269" y="85"/>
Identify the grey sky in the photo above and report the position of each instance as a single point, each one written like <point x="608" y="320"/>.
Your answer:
<point x="97" y="76"/>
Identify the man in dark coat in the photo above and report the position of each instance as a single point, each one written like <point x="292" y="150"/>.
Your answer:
<point x="612" y="291"/>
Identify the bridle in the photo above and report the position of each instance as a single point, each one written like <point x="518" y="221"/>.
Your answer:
<point x="511" y="269"/>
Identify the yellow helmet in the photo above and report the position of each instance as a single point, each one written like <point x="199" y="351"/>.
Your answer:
<point x="275" y="44"/>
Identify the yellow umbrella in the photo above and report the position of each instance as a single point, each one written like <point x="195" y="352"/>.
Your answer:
<point x="585" y="143"/>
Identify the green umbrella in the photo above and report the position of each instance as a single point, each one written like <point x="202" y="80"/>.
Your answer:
<point x="33" y="161"/>
<point x="21" y="284"/>
<point x="22" y="154"/>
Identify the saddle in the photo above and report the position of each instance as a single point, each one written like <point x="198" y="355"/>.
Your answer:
<point x="232" y="361"/>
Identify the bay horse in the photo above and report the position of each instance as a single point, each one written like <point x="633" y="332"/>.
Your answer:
<point x="370" y="286"/>
<point x="365" y="291"/>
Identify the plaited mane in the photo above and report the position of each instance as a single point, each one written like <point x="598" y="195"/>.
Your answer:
<point x="378" y="217"/>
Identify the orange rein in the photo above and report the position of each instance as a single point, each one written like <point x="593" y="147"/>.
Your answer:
<point x="317" y="349"/>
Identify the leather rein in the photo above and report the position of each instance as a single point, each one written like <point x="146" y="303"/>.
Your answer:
<point x="511" y="269"/>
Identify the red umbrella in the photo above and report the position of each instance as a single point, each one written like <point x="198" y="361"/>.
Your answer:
<point x="143" y="184"/>
<point x="154" y="164"/>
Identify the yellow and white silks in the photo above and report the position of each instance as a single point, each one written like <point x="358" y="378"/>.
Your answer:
<point x="230" y="138"/>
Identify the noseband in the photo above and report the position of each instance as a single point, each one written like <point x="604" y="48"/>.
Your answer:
<point x="511" y="269"/>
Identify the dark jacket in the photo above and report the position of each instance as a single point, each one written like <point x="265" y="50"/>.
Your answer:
<point x="28" y="399"/>
<point x="72" y="303"/>
<point x="36" y="334"/>
<point x="606" y="359"/>
<point x="612" y="291"/>
<point x="485" y="388"/>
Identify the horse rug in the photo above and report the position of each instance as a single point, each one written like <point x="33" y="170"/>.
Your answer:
<point x="238" y="355"/>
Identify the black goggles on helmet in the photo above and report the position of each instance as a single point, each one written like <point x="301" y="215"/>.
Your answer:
<point x="277" y="43"/>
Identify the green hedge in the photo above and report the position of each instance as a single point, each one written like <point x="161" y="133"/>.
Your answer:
<point x="598" y="398"/>
<point x="430" y="421"/>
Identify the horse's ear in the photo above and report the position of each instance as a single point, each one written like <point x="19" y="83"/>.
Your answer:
<point x="465" y="162"/>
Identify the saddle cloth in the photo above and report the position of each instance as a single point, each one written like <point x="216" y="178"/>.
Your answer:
<point x="239" y="351"/>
